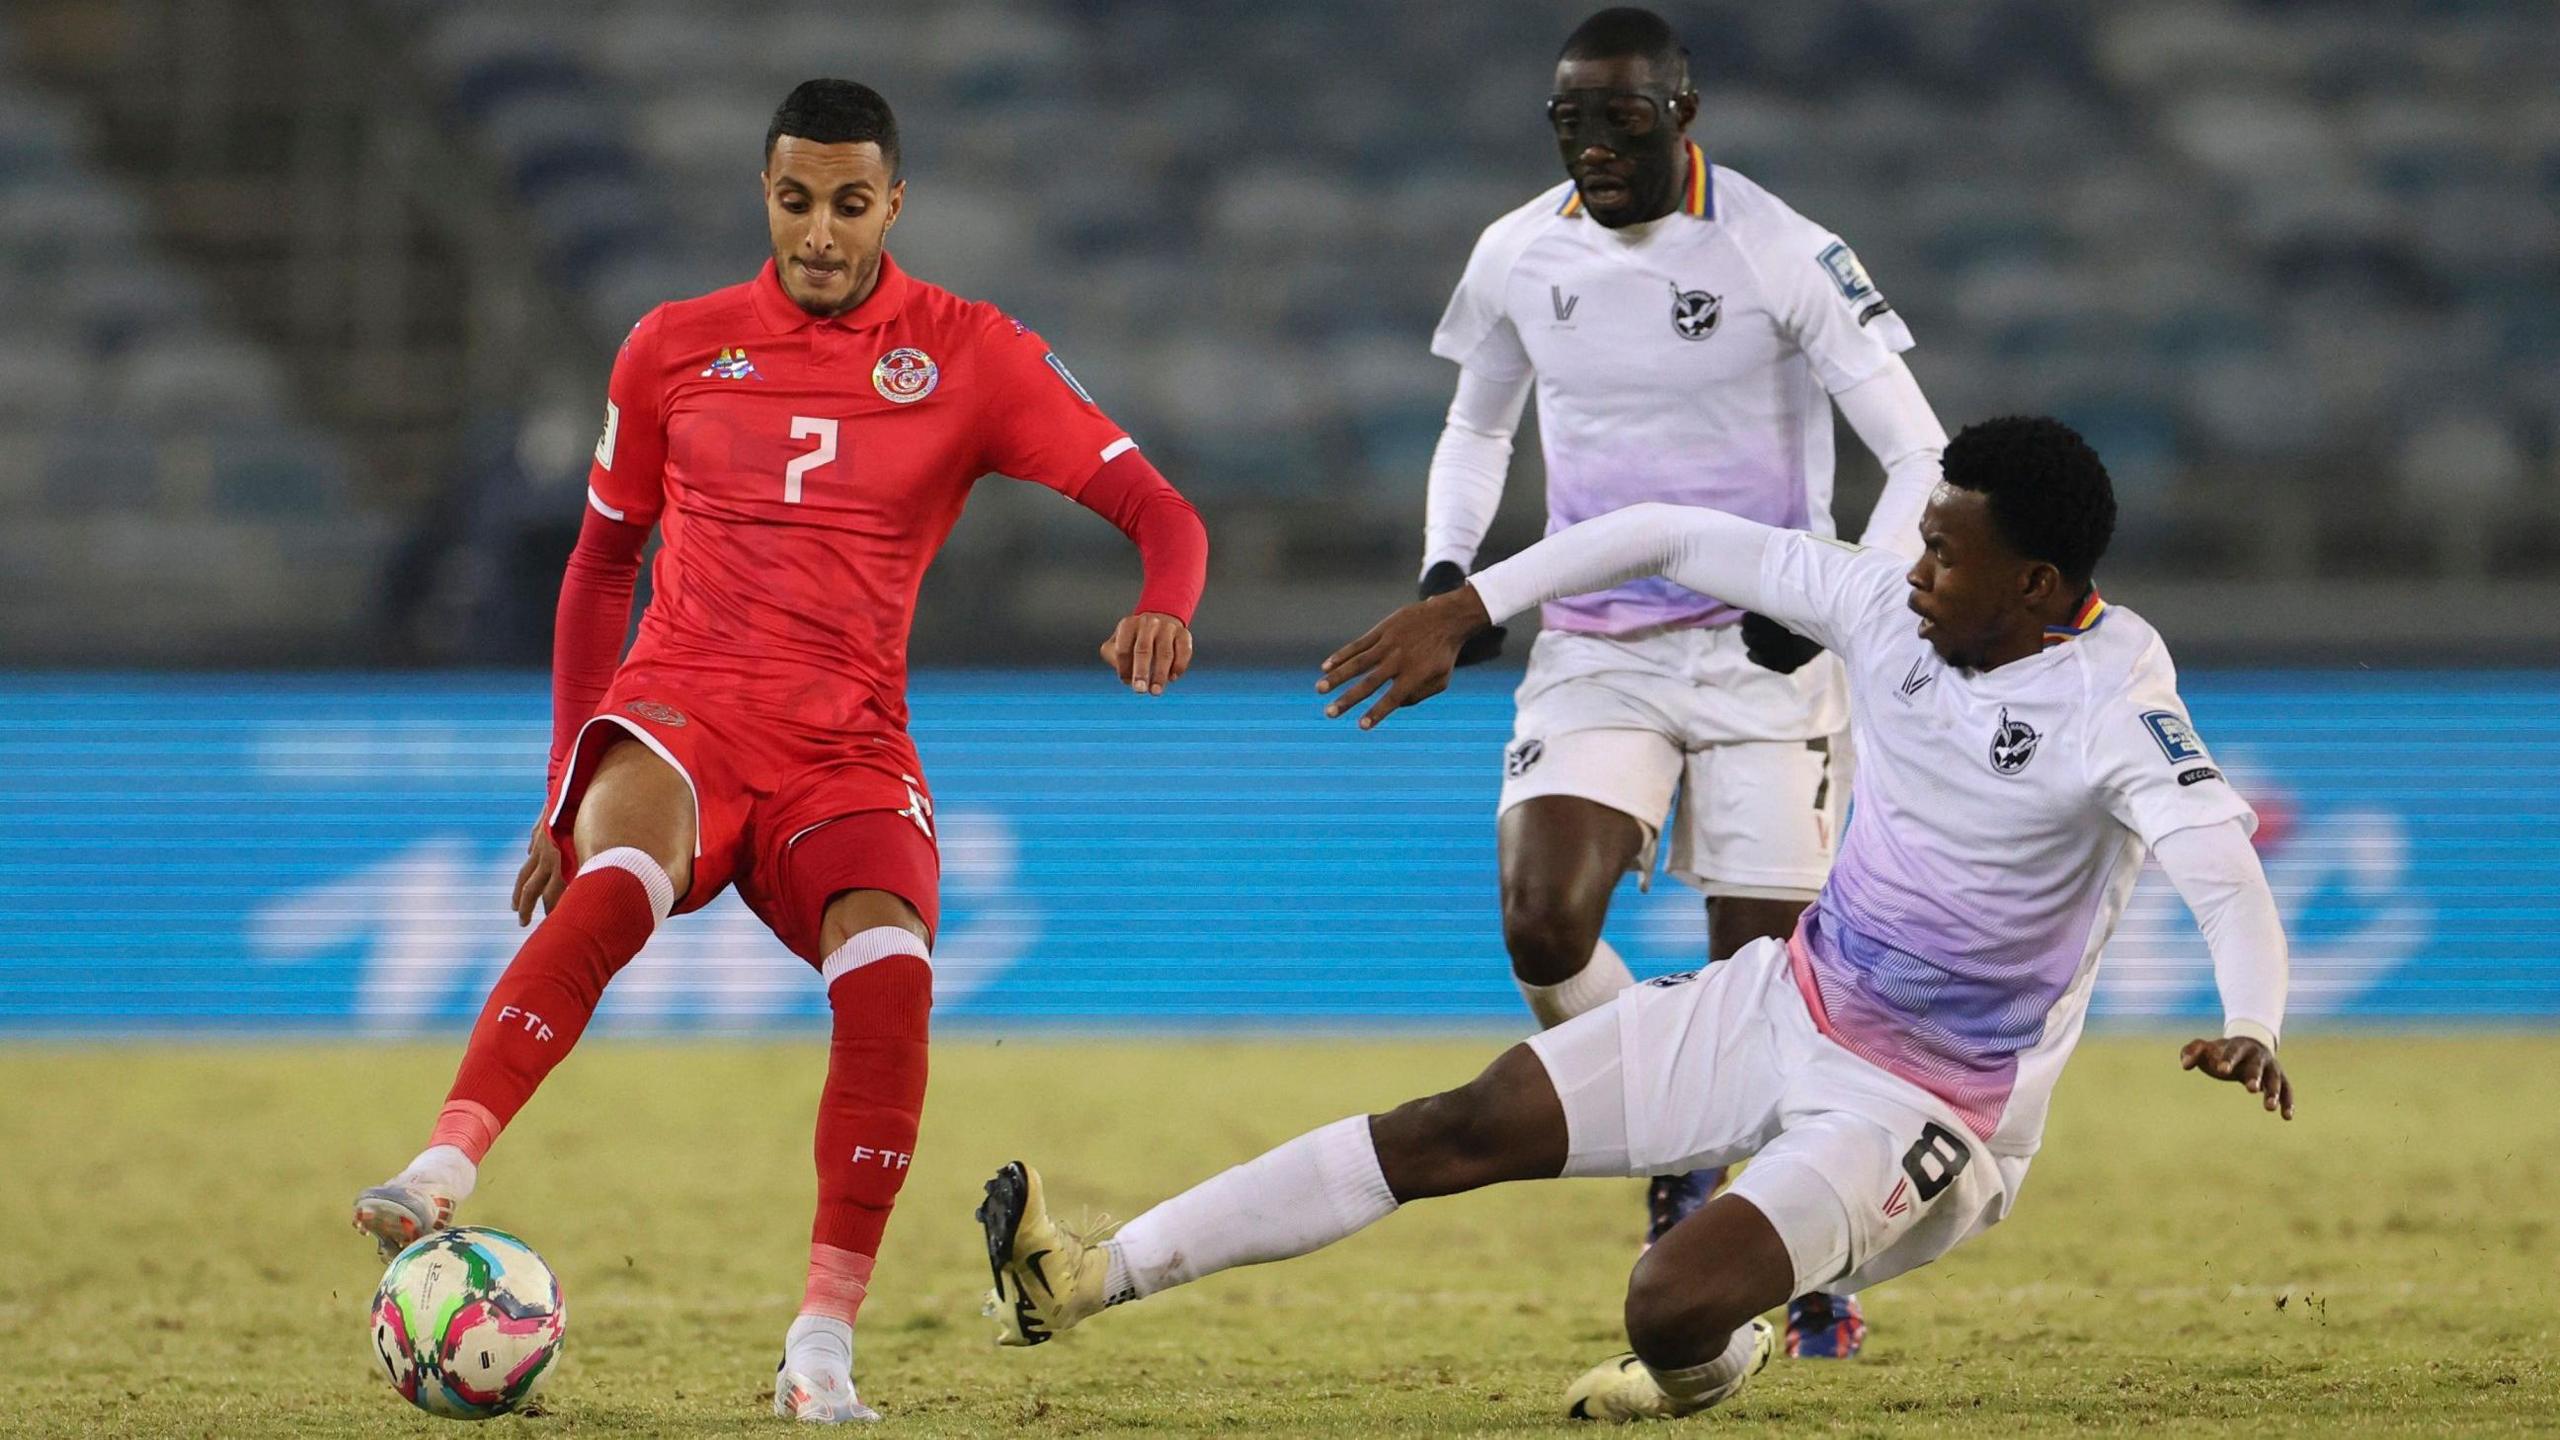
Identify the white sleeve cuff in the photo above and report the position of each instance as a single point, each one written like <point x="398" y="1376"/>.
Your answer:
<point x="2236" y="1028"/>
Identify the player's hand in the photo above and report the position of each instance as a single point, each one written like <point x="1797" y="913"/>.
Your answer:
<point x="1773" y="646"/>
<point x="1485" y="644"/>
<point x="1148" y="651"/>
<point x="1409" y="655"/>
<point x="2246" y="1063"/>
<point x="540" y="879"/>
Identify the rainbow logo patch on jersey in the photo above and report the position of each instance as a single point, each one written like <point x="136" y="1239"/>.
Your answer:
<point x="905" y="375"/>
<point x="731" y="364"/>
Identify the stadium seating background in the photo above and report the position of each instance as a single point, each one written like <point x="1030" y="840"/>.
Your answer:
<point x="344" y="277"/>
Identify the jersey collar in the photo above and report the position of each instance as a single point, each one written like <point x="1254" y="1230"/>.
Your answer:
<point x="781" y="316"/>
<point x="2084" y="620"/>
<point x="1697" y="192"/>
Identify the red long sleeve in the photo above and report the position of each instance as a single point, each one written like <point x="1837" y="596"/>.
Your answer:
<point x="1173" y="545"/>
<point x="594" y="616"/>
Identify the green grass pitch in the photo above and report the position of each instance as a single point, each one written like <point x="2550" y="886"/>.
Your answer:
<point x="174" y="1257"/>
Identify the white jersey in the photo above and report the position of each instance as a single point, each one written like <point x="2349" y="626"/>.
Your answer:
<point x="1998" y="820"/>
<point x="1689" y="360"/>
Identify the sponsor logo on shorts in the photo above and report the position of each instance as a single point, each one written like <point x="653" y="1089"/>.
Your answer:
<point x="2013" y="744"/>
<point x="1898" y="1204"/>
<point x="919" y="806"/>
<point x="905" y="375"/>
<point x="1522" y="757"/>
<point x="1676" y="977"/>
<point x="2198" y="775"/>
<point x="655" y="713"/>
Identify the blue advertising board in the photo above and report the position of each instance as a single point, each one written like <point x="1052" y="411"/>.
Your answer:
<point x="279" y="855"/>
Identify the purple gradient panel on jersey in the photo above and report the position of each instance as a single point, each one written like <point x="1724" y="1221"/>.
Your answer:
<point x="1953" y="1026"/>
<point x="1596" y="484"/>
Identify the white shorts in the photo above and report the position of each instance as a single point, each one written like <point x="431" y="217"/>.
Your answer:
<point x="1753" y="756"/>
<point x="1863" y="1174"/>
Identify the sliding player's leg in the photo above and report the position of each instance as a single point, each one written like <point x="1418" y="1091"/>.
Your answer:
<point x="1758" y="828"/>
<point x="631" y="814"/>
<point x="1693" y="1308"/>
<point x="872" y="879"/>
<point x="1506" y="1124"/>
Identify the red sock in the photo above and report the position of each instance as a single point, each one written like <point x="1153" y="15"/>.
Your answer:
<point x="542" y="1004"/>
<point x="882" y="994"/>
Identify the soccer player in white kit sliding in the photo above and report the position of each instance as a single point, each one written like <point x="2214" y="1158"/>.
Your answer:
<point x="1886" y="1069"/>
<point x="1687" y="334"/>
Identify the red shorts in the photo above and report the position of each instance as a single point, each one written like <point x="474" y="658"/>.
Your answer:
<point x="792" y="819"/>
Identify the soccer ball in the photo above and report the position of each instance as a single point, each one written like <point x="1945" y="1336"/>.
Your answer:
<point x="467" y="1322"/>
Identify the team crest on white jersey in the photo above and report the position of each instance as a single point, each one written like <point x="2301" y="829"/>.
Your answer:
<point x="2013" y="744"/>
<point x="1694" y="313"/>
<point x="905" y="375"/>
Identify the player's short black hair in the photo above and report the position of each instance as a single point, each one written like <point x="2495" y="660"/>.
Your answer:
<point x="1629" y="30"/>
<point x="836" y="112"/>
<point x="2048" y="492"/>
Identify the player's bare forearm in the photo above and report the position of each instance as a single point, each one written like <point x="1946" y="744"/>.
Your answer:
<point x="1409" y="655"/>
<point x="2245" y="1062"/>
<point x="1148" y="651"/>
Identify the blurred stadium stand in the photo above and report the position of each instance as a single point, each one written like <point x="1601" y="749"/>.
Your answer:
<point x="310" y="303"/>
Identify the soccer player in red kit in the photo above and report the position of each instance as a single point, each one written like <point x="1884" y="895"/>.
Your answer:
<point x="806" y="441"/>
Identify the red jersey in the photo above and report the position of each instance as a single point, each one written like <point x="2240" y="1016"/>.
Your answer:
<point x="806" y="470"/>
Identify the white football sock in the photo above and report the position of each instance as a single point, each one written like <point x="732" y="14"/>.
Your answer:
<point x="1319" y="1188"/>
<point x="1689" y="1387"/>
<point x="1587" y="989"/>
<point x="818" y="1344"/>
<point x="443" y="1169"/>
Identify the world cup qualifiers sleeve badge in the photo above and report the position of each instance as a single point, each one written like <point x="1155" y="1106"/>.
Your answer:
<point x="905" y="375"/>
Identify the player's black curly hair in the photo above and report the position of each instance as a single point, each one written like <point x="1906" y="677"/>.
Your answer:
<point x="836" y="112"/>
<point x="1629" y="30"/>
<point x="2048" y="492"/>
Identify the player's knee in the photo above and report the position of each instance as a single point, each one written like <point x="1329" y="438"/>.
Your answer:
<point x="1441" y="1144"/>
<point x="1680" y="1315"/>
<point x="1549" y="931"/>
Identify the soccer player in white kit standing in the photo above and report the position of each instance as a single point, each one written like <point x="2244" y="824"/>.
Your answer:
<point x="1687" y="334"/>
<point x="1888" y="1068"/>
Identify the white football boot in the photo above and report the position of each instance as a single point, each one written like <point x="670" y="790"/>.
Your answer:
<point x="1047" y="1280"/>
<point x="398" y="1213"/>
<point x="417" y="1202"/>
<point x="818" y="1396"/>
<point x="1621" y="1388"/>
<point x="814" y="1382"/>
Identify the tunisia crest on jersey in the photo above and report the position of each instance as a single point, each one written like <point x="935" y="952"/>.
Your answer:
<point x="905" y="375"/>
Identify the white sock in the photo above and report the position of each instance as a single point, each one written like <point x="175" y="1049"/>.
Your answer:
<point x="1587" y="989"/>
<point x="1688" y="1388"/>
<point x="819" y="1343"/>
<point x="443" y="1169"/>
<point x="1319" y="1188"/>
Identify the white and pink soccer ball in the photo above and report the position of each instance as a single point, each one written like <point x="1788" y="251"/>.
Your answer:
<point x="466" y="1323"/>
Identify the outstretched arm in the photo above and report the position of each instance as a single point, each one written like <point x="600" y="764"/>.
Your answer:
<point x="2217" y="873"/>
<point x="1414" y="649"/>
<point x="1708" y="551"/>
<point x="1151" y="647"/>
